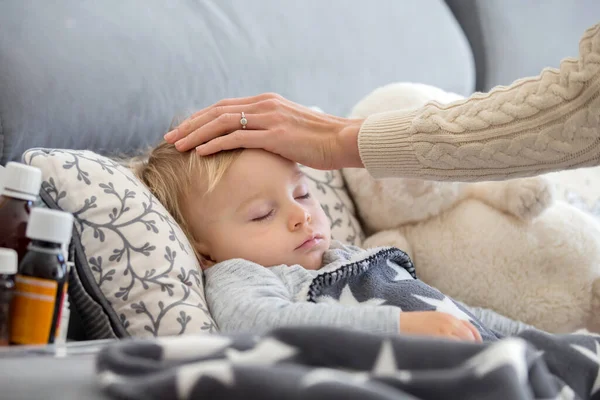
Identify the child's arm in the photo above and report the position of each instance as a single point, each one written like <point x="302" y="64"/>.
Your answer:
<point x="498" y="322"/>
<point x="244" y="296"/>
<point x="489" y="318"/>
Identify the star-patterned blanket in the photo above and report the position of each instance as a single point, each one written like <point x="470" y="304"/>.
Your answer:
<point x="328" y="363"/>
<point x="385" y="276"/>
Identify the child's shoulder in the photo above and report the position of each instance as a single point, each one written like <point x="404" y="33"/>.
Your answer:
<point x="340" y="253"/>
<point x="236" y="267"/>
<point x="337" y="245"/>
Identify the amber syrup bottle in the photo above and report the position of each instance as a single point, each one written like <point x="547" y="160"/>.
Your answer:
<point x="42" y="280"/>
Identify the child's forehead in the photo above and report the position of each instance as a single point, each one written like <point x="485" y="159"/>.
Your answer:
<point x="253" y="174"/>
<point x="256" y="173"/>
<point x="257" y="165"/>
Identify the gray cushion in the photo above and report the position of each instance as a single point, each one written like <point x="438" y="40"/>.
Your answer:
<point x="513" y="39"/>
<point x="110" y="75"/>
<point x="42" y="376"/>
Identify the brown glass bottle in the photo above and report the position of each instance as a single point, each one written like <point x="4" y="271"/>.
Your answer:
<point x="21" y="187"/>
<point x="8" y="269"/>
<point x="42" y="280"/>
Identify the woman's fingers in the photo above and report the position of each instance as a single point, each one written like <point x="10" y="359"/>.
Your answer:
<point x="293" y="131"/>
<point x="196" y="122"/>
<point x="192" y="124"/>
<point x="254" y="104"/>
<point x="239" y="139"/>
<point x="222" y="125"/>
<point x="241" y="101"/>
<point x="235" y="101"/>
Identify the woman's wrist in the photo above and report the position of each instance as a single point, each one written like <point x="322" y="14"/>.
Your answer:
<point x="350" y="155"/>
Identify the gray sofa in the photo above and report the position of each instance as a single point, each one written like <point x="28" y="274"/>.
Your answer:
<point x="110" y="76"/>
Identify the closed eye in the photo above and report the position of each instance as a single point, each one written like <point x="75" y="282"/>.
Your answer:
<point x="264" y="217"/>
<point x="306" y="196"/>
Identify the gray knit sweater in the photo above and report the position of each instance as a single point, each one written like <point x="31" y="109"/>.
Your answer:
<point x="244" y="296"/>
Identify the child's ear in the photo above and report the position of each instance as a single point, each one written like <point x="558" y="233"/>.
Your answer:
<point x="206" y="261"/>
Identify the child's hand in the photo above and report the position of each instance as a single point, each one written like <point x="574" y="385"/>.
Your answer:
<point x="435" y="323"/>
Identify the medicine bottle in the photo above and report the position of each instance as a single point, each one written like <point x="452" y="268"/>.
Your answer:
<point x="42" y="279"/>
<point x="21" y="187"/>
<point x="8" y="269"/>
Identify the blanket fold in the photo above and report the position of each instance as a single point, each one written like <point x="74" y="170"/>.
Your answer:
<point x="329" y="363"/>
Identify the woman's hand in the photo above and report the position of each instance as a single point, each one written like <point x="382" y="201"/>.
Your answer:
<point x="275" y="124"/>
<point x="435" y="323"/>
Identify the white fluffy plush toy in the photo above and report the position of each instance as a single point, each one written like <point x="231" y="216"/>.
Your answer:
<point x="503" y="245"/>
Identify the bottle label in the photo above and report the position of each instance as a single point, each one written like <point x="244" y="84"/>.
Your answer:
<point x="62" y="329"/>
<point x="62" y="334"/>
<point x="33" y="310"/>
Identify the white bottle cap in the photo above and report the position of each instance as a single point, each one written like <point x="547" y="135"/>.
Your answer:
<point x="49" y="225"/>
<point x="8" y="261"/>
<point x="2" y="175"/>
<point x="22" y="181"/>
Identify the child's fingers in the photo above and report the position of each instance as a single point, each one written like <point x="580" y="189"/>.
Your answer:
<point x="474" y="331"/>
<point x="463" y="332"/>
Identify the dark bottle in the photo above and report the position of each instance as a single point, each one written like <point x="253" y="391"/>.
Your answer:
<point x="21" y="187"/>
<point x="8" y="269"/>
<point x="42" y="280"/>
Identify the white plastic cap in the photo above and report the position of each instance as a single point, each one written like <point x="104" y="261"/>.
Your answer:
<point x="49" y="225"/>
<point x="2" y="175"/>
<point x="8" y="261"/>
<point x="22" y="181"/>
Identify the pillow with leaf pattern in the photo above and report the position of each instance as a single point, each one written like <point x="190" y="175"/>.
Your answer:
<point x="135" y="271"/>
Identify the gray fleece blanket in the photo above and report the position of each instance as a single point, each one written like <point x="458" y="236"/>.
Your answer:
<point x="328" y="363"/>
<point x="385" y="276"/>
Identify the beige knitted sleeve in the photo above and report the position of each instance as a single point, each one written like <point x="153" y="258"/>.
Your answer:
<point x="536" y="125"/>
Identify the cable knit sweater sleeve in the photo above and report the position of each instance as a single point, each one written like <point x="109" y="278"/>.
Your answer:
<point x="536" y="125"/>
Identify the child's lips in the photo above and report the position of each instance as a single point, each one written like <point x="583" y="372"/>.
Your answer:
<point x="310" y="243"/>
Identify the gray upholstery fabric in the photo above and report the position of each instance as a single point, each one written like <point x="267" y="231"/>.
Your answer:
<point x="512" y="39"/>
<point x="110" y="75"/>
<point x="33" y="377"/>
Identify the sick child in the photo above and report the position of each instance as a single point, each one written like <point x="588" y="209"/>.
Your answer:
<point x="265" y="247"/>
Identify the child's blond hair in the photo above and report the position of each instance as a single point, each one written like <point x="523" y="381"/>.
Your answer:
<point x="174" y="177"/>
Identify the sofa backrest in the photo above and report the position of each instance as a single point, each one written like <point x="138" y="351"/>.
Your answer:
<point x="111" y="75"/>
<point x="513" y="39"/>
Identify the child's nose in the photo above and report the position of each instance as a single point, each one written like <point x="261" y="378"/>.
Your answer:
<point x="299" y="218"/>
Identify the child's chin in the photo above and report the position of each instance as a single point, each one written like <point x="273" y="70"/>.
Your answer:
<point x="313" y="260"/>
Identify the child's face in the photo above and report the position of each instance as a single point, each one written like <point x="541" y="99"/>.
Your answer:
<point x="261" y="211"/>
